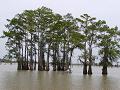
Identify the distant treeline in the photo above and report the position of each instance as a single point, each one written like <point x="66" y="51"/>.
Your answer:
<point x="43" y="36"/>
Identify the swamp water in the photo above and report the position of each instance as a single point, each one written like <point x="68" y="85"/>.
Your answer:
<point x="11" y="79"/>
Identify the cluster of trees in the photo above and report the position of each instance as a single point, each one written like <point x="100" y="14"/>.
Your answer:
<point x="42" y="36"/>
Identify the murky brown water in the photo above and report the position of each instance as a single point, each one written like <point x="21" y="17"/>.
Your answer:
<point x="11" y="79"/>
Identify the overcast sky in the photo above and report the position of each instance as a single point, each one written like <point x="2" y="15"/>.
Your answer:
<point x="108" y="10"/>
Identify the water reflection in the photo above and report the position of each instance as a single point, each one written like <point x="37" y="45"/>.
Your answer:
<point x="54" y="80"/>
<point x="34" y="80"/>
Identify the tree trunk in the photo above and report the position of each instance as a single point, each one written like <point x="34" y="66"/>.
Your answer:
<point x="39" y="68"/>
<point x="39" y="61"/>
<point x="58" y="60"/>
<point x="85" y="68"/>
<point x="85" y="62"/>
<point x="54" y="60"/>
<point x="19" y="59"/>
<point x="105" y="61"/>
<point x="31" y="56"/>
<point x="90" y="61"/>
<point x="63" y="61"/>
<point x="90" y="70"/>
<point x="19" y="65"/>
<point x="43" y="60"/>
<point x="26" y="58"/>
<point x="71" y="52"/>
<point x="58" y="66"/>
<point x="48" y="54"/>
<point x="35" y="60"/>
<point x="104" y="70"/>
<point x="22" y="59"/>
<point x="27" y="64"/>
<point x="41" y="64"/>
<point x="39" y="54"/>
<point x="25" y="55"/>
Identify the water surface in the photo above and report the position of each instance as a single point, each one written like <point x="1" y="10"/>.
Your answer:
<point x="11" y="79"/>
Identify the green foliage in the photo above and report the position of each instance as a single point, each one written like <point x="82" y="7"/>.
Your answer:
<point x="34" y="29"/>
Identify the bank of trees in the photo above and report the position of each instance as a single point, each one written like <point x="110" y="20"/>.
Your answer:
<point x="41" y="37"/>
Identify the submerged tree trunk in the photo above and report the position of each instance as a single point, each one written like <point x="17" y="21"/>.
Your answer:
<point x="19" y="65"/>
<point x="104" y="70"/>
<point x="70" y="60"/>
<point x="90" y="70"/>
<point x="43" y="60"/>
<point x="22" y="58"/>
<point x="27" y="61"/>
<point x="26" y="57"/>
<point x="90" y="61"/>
<point x="54" y="60"/>
<point x="48" y="55"/>
<point x="85" y="68"/>
<point x="39" y="67"/>
<point x="26" y="54"/>
<point x="39" y="54"/>
<point x="85" y="61"/>
<point x="19" y="58"/>
<point x="67" y="59"/>
<point x="63" y="60"/>
<point x="105" y="61"/>
<point x="58" y="62"/>
<point x="35" y="60"/>
<point x="31" y="55"/>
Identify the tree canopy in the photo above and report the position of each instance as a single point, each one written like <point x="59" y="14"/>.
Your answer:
<point x="42" y="36"/>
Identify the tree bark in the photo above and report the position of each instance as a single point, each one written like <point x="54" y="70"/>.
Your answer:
<point x="48" y="55"/>
<point x="90" y="70"/>
<point x="35" y="60"/>
<point x="84" y="68"/>
<point x="54" y="60"/>
<point x="19" y="59"/>
<point x="85" y="62"/>
<point x="90" y="61"/>
<point x="104" y="70"/>
<point x="31" y="56"/>
<point x="39" y="54"/>
<point x="63" y="61"/>
<point x="105" y="61"/>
